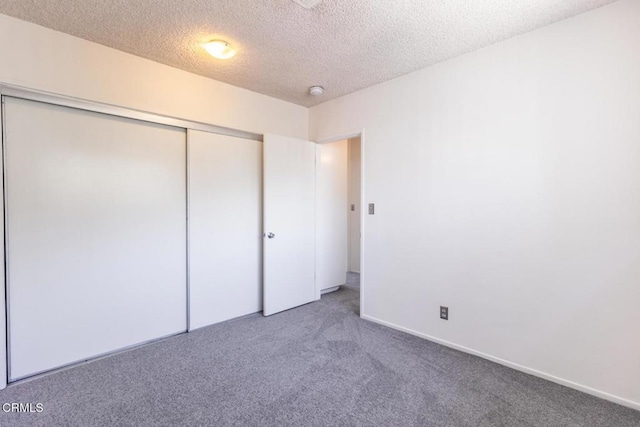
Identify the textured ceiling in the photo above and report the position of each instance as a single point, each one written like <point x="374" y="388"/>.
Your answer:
<point x="283" y="48"/>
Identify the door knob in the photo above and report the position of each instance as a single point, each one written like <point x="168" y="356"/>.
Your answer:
<point x="271" y="235"/>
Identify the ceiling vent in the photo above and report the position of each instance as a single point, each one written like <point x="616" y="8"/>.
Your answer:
<point x="308" y="4"/>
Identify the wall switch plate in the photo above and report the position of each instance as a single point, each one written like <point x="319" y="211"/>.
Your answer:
<point x="444" y="313"/>
<point x="371" y="208"/>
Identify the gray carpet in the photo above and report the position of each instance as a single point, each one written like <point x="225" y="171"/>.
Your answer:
<point x="316" y="365"/>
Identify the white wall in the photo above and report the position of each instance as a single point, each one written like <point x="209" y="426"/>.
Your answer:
<point x="39" y="58"/>
<point x="507" y="187"/>
<point x="331" y="214"/>
<point x="354" y="188"/>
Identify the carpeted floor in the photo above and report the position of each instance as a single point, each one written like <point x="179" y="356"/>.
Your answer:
<point x="316" y="365"/>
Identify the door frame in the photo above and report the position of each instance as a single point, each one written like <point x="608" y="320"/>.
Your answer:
<point x="339" y="137"/>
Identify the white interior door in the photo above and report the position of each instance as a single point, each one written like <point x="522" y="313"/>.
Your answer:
<point x="331" y="215"/>
<point x="96" y="220"/>
<point x="289" y="223"/>
<point x="225" y="227"/>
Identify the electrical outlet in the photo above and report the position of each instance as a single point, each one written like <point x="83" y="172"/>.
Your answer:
<point x="372" y="208"/>
<point x="444" y="313"/>
<point x="353" y="207"/>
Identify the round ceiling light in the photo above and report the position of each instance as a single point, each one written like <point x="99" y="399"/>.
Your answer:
<point x="316" y="90"/>
<point x="219" y="49"/>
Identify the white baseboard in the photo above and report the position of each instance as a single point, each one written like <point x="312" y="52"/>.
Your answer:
<point x="592" y="391"/>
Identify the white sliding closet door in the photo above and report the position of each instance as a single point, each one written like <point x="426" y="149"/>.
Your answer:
<point x="96" y="234"/>
<point x="225" y="227"/>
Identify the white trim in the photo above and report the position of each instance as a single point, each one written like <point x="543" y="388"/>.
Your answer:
<point x="82" y="104"/>
<point x="567" y="383"/>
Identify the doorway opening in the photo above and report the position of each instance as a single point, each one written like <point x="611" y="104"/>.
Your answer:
<point x="339" y="215"/>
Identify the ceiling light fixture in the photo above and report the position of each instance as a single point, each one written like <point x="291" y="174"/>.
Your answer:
<point x="219" y="49"/>
<point x="316" y="90"/>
